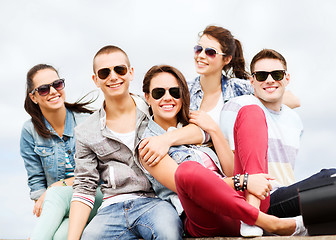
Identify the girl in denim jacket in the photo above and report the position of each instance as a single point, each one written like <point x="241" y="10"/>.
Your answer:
<point x="211" y="205"/>
<point x="47" y="146"/>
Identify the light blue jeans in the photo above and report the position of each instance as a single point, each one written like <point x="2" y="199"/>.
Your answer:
<point x="54" y="220"/>
<point x="147" y="218"/>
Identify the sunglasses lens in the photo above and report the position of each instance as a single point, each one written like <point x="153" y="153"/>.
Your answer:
<point x="103" y="73"/>
<point x="210" y="52"/>
<point x="198" y="49"/>
<point x="121" y="70"/>
<point x="58" y="84"/>
<point x="175" y="92"/>
<point x="43" y="90"/>
<point x="158" y="93"/>
<point x="261" y="76"/>
<point x="278" y="75"/>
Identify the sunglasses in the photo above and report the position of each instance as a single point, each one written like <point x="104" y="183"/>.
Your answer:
<point x="44" y="89"/>
<point x="158" y="93"/>
<point x="105" y="72"/>
<point x="277" y="75"/>
<point x="210" y="52"/>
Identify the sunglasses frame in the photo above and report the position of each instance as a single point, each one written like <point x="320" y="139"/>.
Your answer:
<point x="49" y="85"/>
<point x="114" y="69"/>
<point x="269" y="73"/>
<point x="165" y="90"/>
<point x="207" y="50"/>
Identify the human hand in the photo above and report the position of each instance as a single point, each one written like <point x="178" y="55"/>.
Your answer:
<point x="259" y="185"/>
<point x="153" y="149"/>
<point x="203" y="120"/>
<point x="38" y="205"/>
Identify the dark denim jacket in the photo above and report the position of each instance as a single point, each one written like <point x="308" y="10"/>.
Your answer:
<point x="44" y="158"/>
<point x="180" y="154"/>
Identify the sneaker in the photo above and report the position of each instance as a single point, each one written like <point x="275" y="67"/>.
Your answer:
<point x="249" y="230"/>
<point x="300" y="229"/>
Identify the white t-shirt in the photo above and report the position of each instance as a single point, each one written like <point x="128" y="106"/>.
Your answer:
<point x="284" y="134"/>
<point x="216" y="111"/>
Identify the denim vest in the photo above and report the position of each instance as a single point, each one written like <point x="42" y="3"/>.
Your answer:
<point x="44" y="158"/>
<point x="180" y="154"/>
<point x="231" y="88"/>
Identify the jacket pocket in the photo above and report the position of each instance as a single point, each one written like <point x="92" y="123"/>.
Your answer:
<point x="46" y="155"/>
<point x="107" y="149"/>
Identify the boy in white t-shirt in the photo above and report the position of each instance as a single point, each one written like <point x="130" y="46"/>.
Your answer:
<point x="265" y="135"/>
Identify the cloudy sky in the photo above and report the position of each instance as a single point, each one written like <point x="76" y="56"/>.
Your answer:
<point x="67" y="34"/>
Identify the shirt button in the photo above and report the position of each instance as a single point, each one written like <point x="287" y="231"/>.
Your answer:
<point x="69" y="151"/>
<point x="65" y="138"/>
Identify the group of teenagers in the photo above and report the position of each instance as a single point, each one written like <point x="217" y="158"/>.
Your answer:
<point x="211" y="157"/>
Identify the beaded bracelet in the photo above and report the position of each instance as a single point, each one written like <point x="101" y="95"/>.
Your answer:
<point x="244" y="187"/>
<point x="236" y="182"/>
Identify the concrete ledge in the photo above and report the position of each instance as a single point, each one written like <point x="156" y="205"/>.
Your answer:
<point x="324" y="237"/>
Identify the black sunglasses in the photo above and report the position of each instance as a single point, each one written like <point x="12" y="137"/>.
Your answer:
<point x="277" y="75"/>
<point x="158" y="93"/>
<point x="44" y="89"/>
<point x="210" y="52"/>
<point x="105" y="72"/>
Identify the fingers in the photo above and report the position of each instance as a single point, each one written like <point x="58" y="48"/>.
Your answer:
<point x="37" y="209"/>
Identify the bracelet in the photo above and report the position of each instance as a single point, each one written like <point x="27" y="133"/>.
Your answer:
<point x="236" y="182"/>
<point x="64" y="183"/>
<point x="244" y="187"/>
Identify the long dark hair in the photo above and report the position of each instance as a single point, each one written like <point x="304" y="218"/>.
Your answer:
<point x="183" y="114"/>
<point x="34" y="110"/>
<point x="231" y="47"/>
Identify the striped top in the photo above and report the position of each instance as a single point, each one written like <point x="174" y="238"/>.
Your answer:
<point x="284" y="134"/>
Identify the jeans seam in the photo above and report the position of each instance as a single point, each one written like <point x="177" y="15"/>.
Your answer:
<point x="281" y="202"/>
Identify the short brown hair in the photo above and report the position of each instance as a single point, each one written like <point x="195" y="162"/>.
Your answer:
<point x="110" y="49"/>
<point x="270" y="54"/>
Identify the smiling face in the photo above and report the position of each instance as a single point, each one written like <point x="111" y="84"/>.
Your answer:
<point x="52" y="101"/>
<point x="206" y="65"/>
<point x="114" y="85"/>
<point x="166" y="108"/>
<point x="270" y="92"/>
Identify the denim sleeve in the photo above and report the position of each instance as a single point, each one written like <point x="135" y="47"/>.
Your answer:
<point x="36" y="178"/>
<point x="86" y="174"/>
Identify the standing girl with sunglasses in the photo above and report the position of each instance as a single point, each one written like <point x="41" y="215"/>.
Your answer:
<point x="206" y="200"/>
<point x="47" y="146"/>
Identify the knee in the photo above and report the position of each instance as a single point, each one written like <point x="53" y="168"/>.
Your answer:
<point x="185" y="170"/>
<point x="251" y="113"/>
<point x="170" y="225"/>
<point x="328" y="172"/>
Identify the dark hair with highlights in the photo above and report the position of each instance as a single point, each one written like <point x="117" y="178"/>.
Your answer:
<point x="183" y="114"/>
<point x="231" y="47"/>
<point x="34" y="110"/>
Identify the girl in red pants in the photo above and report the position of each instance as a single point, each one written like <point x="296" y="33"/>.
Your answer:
<point x="212" y="205"/>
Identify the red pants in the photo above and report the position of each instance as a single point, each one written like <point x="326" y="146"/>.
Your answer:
<point x="211" y="206"/>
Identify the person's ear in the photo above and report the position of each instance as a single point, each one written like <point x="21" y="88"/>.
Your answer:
<point x="33" y="98"/>
<point x="147" y="97"/>
<point x="131" y="72"/>
<point x="227" y="60"/>
<point x="287" y="79"/>
<point x="96" y="80"/>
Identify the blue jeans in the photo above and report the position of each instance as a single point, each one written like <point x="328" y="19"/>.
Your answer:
<point x="54" y="220"/>
<point x="147" y="218"/>
<point x="284" y="202"/>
